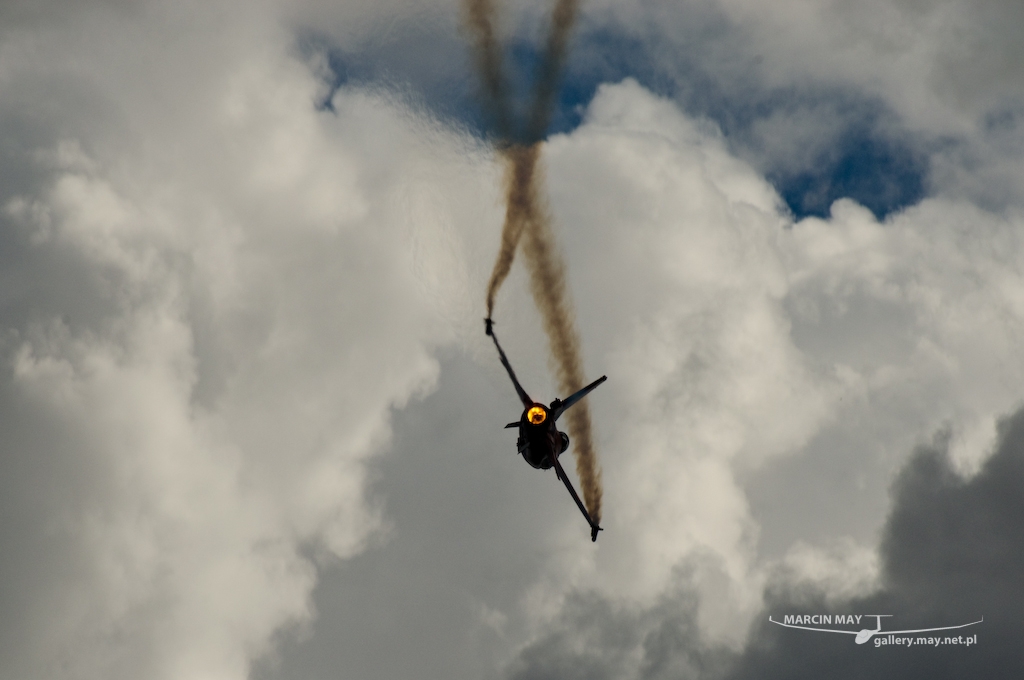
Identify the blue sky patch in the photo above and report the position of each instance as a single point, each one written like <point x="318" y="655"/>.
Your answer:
<point x="881" y="174"/>
<point x="879" y="166"/>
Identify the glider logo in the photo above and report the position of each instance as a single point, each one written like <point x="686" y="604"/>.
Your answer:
<point x="865" y="634"/>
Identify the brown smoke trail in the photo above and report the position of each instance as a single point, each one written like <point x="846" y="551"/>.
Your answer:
<point x="520" y="189"/>
<point x="547" y="283"/>
<point x="525" y="214"/>
<point x="488" y="61"/>
<point x="562" y="19"/>
<point x="518" y="182"/>
<point x="520" y="199"/>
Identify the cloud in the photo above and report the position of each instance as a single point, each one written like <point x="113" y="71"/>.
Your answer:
<point x="827" y="100"/>
<point x="214" y="296"/>
<point x="832" y="100"/>
<point x="742" y="343"/>
<point x="743" y="337"/>
<point x="595" y="638"/>
<point x="951" y="554"/>
<point x="217" y="299"/>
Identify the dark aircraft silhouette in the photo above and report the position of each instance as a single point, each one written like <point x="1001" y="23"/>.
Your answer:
<point x="540" y="441"/>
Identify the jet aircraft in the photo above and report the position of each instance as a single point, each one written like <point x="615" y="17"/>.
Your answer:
<point x="540" y="442"/>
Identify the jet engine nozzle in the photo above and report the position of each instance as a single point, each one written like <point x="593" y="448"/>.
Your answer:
<point x="537" y="415"/>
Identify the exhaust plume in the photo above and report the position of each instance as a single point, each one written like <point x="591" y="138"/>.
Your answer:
<point x="526" y="214"/>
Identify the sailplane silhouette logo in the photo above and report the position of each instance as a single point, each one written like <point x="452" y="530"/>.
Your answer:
<point x="866" y="634"/>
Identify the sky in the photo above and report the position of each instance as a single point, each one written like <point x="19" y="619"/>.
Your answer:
<point x="251" y="427"/>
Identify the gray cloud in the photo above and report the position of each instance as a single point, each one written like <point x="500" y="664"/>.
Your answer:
<point x="220" y="308"/>
<point x="469" y="532"/>
<point x="739" y="345"/>
<point x="593" y="637"/>
<point x="951" y="553"/>
<point x="194" y="366"/>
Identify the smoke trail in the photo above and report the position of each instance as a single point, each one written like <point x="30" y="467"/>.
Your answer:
<point x="488" y="58"/>
<point x="520" y="188"/>
<point x="518" y="181"/>
<point x="547" y="283"/>
<point x="562" y="19"/>
<point x="526" y="214"/>
<point x="479" y="15"/>
<point x="520" y="199"/>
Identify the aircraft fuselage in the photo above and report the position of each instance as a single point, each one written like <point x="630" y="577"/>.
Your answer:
<point x="540" y="442"/>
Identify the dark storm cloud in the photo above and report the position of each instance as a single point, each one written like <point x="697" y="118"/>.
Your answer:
<point x="951" y="552"/>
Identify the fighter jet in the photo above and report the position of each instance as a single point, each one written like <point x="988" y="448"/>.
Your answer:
<point x="540" y="442"/>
